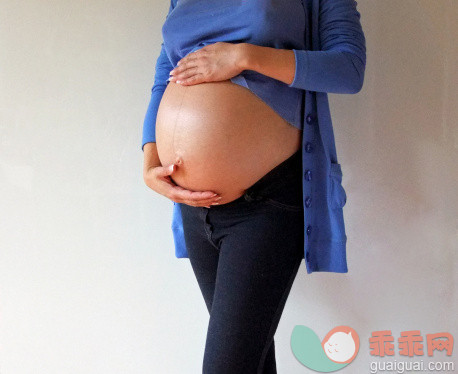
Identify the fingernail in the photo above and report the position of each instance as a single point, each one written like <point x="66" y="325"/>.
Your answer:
<point x="215" y="203"/>
<point x="219" y="198"/>
<point x="178" y="81"/>
<point x="207" y="207"/>
<point x="172" y="167"/>
<point x="214" y="195"/>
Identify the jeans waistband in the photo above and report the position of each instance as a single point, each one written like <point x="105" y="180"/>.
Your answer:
<point x="286" y="173"/>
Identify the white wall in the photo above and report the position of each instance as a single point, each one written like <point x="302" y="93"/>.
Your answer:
<point x="88" y="278"/>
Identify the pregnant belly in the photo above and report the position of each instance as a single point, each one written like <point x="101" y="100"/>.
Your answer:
<point x="225" y="137"/>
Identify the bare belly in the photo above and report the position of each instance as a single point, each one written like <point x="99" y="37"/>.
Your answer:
<point x="224" y="135"/>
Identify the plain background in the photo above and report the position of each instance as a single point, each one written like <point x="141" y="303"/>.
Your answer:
<point x="88" y="278"/>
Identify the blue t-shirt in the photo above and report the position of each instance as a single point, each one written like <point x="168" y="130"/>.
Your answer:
<point x="330" y="55"/>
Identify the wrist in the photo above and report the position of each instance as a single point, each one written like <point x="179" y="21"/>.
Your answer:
<point x="148" y="167"/>
<point x="246" y="56"/>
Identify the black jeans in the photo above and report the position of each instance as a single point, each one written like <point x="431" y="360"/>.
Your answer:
<point x="245" y="255"/>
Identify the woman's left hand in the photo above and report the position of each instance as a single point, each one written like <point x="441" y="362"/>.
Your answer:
<point x="214" y="62"/>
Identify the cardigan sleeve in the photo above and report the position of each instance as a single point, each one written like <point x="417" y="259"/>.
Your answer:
<point x="340" y="64"/>
<point x="162" y="71"/>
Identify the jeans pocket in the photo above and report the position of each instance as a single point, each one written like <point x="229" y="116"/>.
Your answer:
<point x="284" y="198"/>
<point x="337" y="196"/>
<point x="282" y="205"/>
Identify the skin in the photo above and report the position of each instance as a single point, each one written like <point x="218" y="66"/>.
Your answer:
<point x="212" y="63"/>
<point x="157" y="177"/>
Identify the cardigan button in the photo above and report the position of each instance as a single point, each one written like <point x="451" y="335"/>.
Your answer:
<point x="308" y="201"/>
<point x="308" y="147"/>
<point x="310" y="118"/>
<point x="308" y="175"/>
<point x="309" y="229"/>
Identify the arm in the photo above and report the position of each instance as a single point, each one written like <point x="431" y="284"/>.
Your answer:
<point x="337" y="68"/>
<point x="163" y="68"/>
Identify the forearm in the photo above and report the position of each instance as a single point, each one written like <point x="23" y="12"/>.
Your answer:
<point x="321" y="71"/>
<point x="337" y="67"/>
<point x="276" y="63"/>
<point x="150" y="156"/>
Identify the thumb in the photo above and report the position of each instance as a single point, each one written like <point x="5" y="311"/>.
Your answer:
<point x="171" y="168"/>
<point x="168" y="170"/>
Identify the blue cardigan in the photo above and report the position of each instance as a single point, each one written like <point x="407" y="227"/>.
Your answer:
<point x="333" y="61"/>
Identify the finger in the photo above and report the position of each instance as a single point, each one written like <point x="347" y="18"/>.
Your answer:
<point x="182" y="65"/>
<point x="179" y="76"/>
<point x="195" y="79"/>
<point x="186" y="73"/>
<point x="175" y="191"/>
<point x="199" y="195"/>
<point x="190" y="56"/>
<point x="184" y="194"/>
<point x="200" y="202"/>
<point x="207" y="202"/>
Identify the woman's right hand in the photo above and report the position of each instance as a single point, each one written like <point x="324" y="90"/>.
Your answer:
<point x="158" y="179"/>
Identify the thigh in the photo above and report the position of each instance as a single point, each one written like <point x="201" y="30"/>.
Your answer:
<point x="259" y="259"/>
<point x="203" y="255"/>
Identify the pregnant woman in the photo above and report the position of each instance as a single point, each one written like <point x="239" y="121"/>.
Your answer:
<point x="238" y="135"/>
